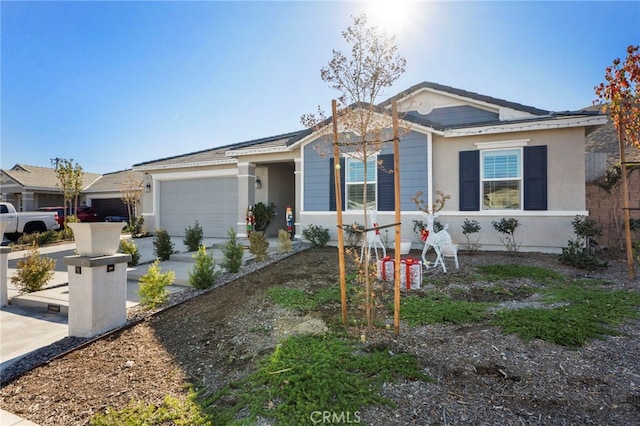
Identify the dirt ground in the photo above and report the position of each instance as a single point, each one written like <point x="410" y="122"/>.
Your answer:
<point x="482" y="376"/>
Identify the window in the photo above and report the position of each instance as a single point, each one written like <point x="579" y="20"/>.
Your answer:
<point x="354" y="183"/>
<point x="501" y="179"/>
<point x="509" y="178"/>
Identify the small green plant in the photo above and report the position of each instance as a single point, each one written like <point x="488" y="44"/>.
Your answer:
<point x="258" y="246"/>
<point x="284" y="242"/>
<point x="153" y="286"/>
<point x="578" y="252"/>
<point x="135" y="227"/>
<point x="318" y="236"/>
<point x="204" y="273"/>
<point x="292" y="298"/>
<point x="193" y="237"/>
<point x="508" y="226"/>
<point x="33" y="272"/>
<point x="470" y="227"/>
<point x="163" y="248"/>
<point x="232" y="252"/>
<point x="127" y="246"/>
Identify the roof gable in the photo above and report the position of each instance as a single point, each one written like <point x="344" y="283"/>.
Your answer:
<point x="42" y="177"/>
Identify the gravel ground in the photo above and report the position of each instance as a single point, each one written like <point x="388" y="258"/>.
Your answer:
<point x="482" y="376"/>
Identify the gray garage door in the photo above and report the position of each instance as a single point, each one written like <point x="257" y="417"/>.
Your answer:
<point x="213" y="202"/>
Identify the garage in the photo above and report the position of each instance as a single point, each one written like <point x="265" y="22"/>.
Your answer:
<point x="213" y="202"/>
<point x="106" y="207"/>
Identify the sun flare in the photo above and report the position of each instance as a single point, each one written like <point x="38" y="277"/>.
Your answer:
<point x="390" y="15"/>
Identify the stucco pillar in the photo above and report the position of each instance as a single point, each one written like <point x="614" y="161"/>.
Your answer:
<point x="246" y="194"/>
<point x="28" y="203"/>
<point x="97" y="293"/>
<point x="298" y="191"/>
<point x="4" y="266"/>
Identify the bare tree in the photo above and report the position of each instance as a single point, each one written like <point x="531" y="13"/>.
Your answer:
<point x="374" y="64"/>
<point x="131" y="194"/>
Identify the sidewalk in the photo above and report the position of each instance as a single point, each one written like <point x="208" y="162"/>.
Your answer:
<point x="38" y="319"/>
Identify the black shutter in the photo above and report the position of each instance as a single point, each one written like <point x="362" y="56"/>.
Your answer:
<point x="386" y="185"/>
<point x="535" y="177"/>
<point x="332" y="184"/>
<point x="469" y="176"/>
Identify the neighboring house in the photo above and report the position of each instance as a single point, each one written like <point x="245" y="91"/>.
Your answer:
<point x="494" y="158"/>
<point x="104" y="195"/>
<point x="30" y="187"/>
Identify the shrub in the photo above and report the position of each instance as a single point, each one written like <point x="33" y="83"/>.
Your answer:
<point x="162" y="245"/>
<point x="39" y="238"/>
<point x="258" y="246"/>
<point x="508" y="226"/>
<point x="204" y="272"/>
<point x="233" y="252"/>
<point x="135" y="227"/>
<point x="316" y="235"/>
<point x="579" y="253"/>
<point x="471" y="227"/>
<point x="193" y="237"/>
<point x="127" y="246"/>
<point x="284" y="242"/>
<point x="33" y="272"/>
<point x="153" y="286"/>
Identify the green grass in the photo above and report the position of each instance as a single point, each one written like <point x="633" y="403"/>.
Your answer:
<point x="292" y="298"/>
<point x="171" y="411"/>
<point x="306" y="374"/>
<point x="504" y="272"/>
<point x="587" y="312"/>
<point x="438" y="308"/>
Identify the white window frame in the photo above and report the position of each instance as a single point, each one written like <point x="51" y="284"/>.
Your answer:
<point x="517" y="178"/>
<point x="370" y="183"/>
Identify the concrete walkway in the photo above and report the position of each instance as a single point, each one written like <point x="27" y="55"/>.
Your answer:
<point x="38" y="319"/>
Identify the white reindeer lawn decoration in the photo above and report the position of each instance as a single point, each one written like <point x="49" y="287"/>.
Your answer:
<point x="373" y="237"/>
<point x="441" y="241"/>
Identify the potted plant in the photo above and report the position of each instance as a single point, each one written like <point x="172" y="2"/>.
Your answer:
<point x="263" y="214"/>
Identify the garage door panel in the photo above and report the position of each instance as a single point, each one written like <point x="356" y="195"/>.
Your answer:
<point x="211" y="201"/>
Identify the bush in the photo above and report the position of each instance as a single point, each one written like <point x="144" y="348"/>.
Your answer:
<point x="204" y="272"/>
<point x="316" y="235"/>
<point x="578" y="256"/>
<point x="233" y="252"/>
<point x="579" y="253"/>
<point x="193" y="237"/>
<point x="508" y="226"/>
<point x="127" y="246"/>
<point x="162" y="245"/>
<point x="135" y="227"/>
<point x="284" y="242"/>
<point x="471" y="227"/>
<point x="153" y="286"/>
<point x="34" y="271"/>
<point x="258" y="246"/>
<point x="40" y="238"/>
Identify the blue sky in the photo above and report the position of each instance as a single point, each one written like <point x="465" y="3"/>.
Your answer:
<point x="112" y="84"/>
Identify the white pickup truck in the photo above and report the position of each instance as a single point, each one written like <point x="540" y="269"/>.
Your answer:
<point x="25" y="222"/>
